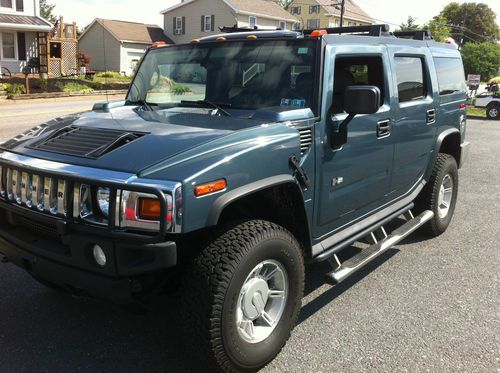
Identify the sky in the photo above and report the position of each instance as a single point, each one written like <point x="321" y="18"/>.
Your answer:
<point x="393" y="12"/>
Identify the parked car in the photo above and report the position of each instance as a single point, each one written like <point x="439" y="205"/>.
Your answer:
<point x="292" y="146"/>
<point x="491" y="102"/>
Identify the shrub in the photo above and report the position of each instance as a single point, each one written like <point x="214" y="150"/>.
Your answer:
<point x="180" y="89"/>
<point x="109" y="74"/>
<point x="73" y="87"/>
<point x="14" y="89"/>
<point x="83" y="59"/>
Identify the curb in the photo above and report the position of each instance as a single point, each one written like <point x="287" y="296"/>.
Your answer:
<point x="67" y="94"/>
<point x="478" y="117"/>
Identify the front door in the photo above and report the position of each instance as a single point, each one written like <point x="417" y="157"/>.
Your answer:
<point x="355" y="178"/>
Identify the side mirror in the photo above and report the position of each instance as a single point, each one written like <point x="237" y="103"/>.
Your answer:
<point x="361" y="99"/>
<point x="358" y="99"/>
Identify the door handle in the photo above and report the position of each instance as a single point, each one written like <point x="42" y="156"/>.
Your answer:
<point x="431" y="116"/>
<point x="383" y="128"/>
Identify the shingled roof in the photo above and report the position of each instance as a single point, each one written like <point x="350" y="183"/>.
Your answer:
<point x="352" y="10"/>
<point x="131" y="31"/>
<point x="27" y="21"/>
<point x="260" y="8"/>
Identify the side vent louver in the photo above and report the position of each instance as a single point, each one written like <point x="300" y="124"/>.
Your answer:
<point x="86" y="142"/>
<point x="305" y="139"/>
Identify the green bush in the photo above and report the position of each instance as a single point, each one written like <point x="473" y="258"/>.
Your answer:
<point x="14" y="89"/>
<point x="180" y="89"/>
<point x="109" y="74"/>
<point x="482" y="59"/>
<point x="73" y="87"/>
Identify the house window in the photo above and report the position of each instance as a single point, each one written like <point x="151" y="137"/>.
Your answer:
<point x="296" y="10"/>
<point x="282" y="25"/>
<point x="6" y="4"/>
<point x="8" y="42"/>
<point x="296" y="26"/>
<point x="313" y="9"/>
<point x="252" y="21"/>
<point x="337" y="23"/>
<point x="313" y="23"/>
<point x="208" y="24"/>
<point x="178" y="25"/>
<point x="55" y="50"/>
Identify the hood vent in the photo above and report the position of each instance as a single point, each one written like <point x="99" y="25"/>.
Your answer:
<point x="86" y="142"/>
<point x="306" y="139"/>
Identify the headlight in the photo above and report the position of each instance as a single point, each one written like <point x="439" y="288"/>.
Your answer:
<point x="103" y="195"/>
<point x="142" y="211"/>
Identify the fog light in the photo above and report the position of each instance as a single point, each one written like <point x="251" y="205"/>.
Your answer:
<point x="99" y="256"/>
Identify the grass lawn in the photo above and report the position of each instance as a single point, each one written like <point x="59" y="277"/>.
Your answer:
<point x="476" y="111"/>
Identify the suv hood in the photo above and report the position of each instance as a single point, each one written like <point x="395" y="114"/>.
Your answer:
<point x="158" y="136"/>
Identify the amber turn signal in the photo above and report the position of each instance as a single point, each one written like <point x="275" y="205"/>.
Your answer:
<point x="316" y="33"/>
<point x="149" y="208"/>
<point x="207" y="188"/>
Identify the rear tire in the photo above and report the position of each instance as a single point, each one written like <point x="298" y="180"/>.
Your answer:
<point x="493" y="112"/>
<point x="242" y="296"/>
<point x="440" y="194"/>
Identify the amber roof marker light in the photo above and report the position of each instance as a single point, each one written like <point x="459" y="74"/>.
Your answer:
<point x="317" y="33"/>
<point x="211" y="187"/>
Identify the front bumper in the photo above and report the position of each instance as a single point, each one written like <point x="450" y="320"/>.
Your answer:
<point x="66" y="260"/>
<point x="464" y="153"/>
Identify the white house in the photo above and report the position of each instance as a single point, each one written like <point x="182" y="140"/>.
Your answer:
<point x="22" y="30"/>
<point x="192" y="19"/>
<point x="118" y="45"/>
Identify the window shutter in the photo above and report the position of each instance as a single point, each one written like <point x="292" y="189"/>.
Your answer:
<point x="213" y="22"/>
<point x="21" y="46"/>
<point x="183" y="25"/>
<point x="20" y="5"/>
<point x="202" y="23"/>
<point x="174" y="25"/>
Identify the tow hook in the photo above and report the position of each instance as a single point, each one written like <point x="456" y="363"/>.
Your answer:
<point x="299" y="172"/>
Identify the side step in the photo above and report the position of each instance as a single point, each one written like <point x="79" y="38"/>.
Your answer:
<point x="358" y="261"/>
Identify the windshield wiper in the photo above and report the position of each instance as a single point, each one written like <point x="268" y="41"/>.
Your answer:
<point x="215" y="105"/>
<point x="146" y="106"/>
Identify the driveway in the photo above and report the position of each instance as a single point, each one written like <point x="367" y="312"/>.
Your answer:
<point x="426" y="305"/>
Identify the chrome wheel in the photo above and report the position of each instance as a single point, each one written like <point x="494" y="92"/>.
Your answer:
<point x="445" y="196"/>
<point x="493" y="112"/>
<point x="262" y="301"/>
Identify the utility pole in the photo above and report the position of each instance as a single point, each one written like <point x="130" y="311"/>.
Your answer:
<point x="341" y="6"/>
<point x="342" y="10"/>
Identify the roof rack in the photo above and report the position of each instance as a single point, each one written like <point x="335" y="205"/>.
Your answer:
<point x="369" y="30"/>
<point x="235" y="28"/>
<point x="415" y="35"/>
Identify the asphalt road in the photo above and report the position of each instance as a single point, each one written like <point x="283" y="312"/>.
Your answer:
<point x="427" y="305"/>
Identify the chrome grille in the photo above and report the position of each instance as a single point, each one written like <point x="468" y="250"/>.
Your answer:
<point x="306" y="139"/>
<point x="46" y="194"/>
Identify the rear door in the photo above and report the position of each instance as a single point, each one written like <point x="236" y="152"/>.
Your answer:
<point x="415" y="115"/>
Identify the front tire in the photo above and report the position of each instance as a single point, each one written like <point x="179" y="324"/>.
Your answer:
<point x="440" y="194"/>
<point x="242" y="296"/>
<point x="493" y="112"/>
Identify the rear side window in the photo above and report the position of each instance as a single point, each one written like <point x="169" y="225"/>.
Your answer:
<point x="410" y="75"/>
<point x="451" y="76"/>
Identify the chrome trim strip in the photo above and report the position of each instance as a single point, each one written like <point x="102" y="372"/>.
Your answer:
<point x="61" y="197"/>
<point x="8" y="182"/>
<point x="16" y="186"/>
<point x="2" y="184"/>
<point x="26" y="194"/>
<point x="76" y="201"/>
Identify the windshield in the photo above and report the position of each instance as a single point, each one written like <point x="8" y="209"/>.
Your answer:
<point x="251" y="75"/>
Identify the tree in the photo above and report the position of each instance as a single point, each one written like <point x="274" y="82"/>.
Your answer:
<point x="46" y="11"/>
<point x="284" y="3"/>
<point x="409" y="25"/>
<point x="482" y="59"/>
<point x="471" y="22"/>
<point x="439" y="28"/>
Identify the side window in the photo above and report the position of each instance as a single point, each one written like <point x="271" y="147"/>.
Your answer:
<point x="451" y="76"/>
<point x="411" y="79"/>
<point x="356" y="71"/>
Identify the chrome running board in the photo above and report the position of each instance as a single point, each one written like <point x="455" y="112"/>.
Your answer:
<point x="347" y="268"/>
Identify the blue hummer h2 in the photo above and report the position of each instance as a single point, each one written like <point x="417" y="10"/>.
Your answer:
<point x="233" y="161"/>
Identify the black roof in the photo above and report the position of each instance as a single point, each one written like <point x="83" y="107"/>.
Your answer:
<point x="23" y="20"/>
